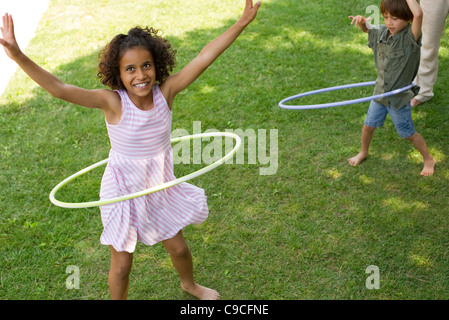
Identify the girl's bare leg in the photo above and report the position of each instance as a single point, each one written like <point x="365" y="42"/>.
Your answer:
<point x="121" y="263"/>
<point x="182" y="261"/>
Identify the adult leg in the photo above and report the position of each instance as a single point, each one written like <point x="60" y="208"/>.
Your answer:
<point x="182" y="261"/>
<point x="121" y="263"/>
<point x="434" y="20"/>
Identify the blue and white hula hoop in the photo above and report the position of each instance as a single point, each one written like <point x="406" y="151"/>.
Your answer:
<point x="163" y="186"/>
<point x="341" y="103"/>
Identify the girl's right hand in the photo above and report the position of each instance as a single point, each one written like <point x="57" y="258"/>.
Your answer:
<point x="8" y="40"/>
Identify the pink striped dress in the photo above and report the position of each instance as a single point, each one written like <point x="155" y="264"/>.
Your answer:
<point x="141" y="157"/>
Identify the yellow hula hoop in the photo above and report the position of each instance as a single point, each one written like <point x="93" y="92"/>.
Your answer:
<point x="152" y="189"/>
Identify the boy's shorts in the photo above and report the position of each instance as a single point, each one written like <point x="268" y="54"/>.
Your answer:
<point x="401" y="118"/>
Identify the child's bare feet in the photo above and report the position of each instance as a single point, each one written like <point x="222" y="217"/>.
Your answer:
<point x="201" y="292"/>
<point x="354" y="161"/>
<point x="429" y="167"/>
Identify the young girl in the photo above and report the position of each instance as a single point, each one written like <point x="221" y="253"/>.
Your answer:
<point x="138" y="117"/>
<point x="396" y="47"/>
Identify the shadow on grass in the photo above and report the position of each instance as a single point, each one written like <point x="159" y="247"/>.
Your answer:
<point x="318" y="221"/>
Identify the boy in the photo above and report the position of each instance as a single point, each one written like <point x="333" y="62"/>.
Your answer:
<point x="396" y="46"/>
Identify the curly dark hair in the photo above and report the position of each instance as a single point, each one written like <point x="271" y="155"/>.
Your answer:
<point x="397" y="8"/>
<point x="148" y="38"/>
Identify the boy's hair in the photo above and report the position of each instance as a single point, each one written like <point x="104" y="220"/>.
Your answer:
<point x="148" y="38"/>
<point x="397" y="8"/>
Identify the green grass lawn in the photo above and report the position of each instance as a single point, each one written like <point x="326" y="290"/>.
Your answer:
<point x="309" y="231"/>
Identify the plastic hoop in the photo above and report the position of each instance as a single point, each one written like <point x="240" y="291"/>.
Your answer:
<point x="341" y="103"/>
<point x="152" y="189"/>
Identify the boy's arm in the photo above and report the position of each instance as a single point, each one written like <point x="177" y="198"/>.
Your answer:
<point x="417" y="18"/>
<point x="100" y="99"/>
<point x="181" y="80"/>
<point x="360" y="22"/>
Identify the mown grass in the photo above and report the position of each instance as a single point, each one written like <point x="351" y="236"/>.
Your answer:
<point x="308" y="231"/>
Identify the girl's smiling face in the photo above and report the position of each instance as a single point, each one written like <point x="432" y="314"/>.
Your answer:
<point x="394" y="24"/>
<point x="138" y="75"/>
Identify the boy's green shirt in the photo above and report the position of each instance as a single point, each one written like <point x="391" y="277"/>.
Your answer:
<point x="397" y="61"/>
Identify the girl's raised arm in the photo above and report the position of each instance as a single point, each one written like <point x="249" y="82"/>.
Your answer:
<point x="101" y="99"/>
<point x="181" y="80"/>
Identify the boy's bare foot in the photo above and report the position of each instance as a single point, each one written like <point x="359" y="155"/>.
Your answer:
<point x="354" y="161"/>
<point x="429" y="167"/>
<point x="201" y="292"/>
